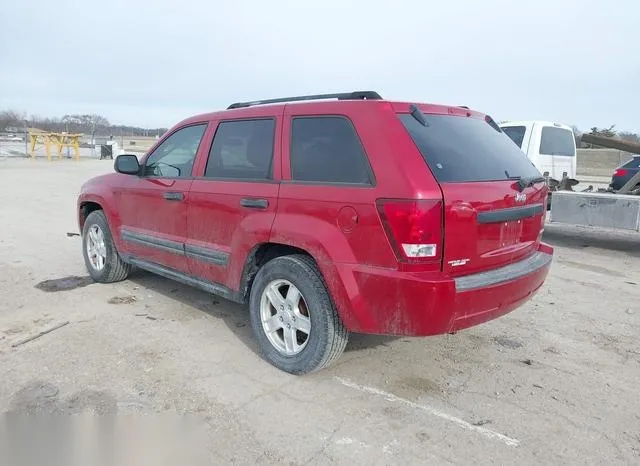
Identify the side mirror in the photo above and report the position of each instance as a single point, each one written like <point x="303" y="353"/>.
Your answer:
<point x="127" y="164"/>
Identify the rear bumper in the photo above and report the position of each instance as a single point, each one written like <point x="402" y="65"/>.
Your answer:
<point x="413" y="304"/>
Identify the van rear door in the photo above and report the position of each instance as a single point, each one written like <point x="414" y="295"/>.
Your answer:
<point x="494" y="197"/>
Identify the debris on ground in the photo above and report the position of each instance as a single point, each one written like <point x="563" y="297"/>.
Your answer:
<point x="122" y="300"/>
<point x="482" y="422"/>
<point x="38" y="335"/>
<point x="507" y="342"/>
<point x="146" y="316"/>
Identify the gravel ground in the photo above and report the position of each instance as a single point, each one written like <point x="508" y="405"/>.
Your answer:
<point x="554" y="382"/>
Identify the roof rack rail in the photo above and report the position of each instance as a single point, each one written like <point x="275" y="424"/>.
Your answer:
<point x="357" y="95"/>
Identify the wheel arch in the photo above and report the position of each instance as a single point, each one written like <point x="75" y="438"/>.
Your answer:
<point x="85" y="208"/>
<point x="260" y="255"/>
<point x="265" y="252"/>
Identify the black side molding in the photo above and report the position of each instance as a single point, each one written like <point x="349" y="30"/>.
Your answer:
<point x="510" y="214"/>
<point x="210" y="287"/>
<point x="152" y="242"/>
<point x="206" y="254"/>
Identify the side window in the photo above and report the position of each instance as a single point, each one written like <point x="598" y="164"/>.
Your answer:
<point x="327" y="149"/>
<point x="515" y="133"/>
<point x="174" y="157"/>
<point x="242" y="149"/>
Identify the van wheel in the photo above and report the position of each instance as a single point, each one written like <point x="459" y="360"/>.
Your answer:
<point x="293" y="316"/>
<point x="100" y="255"/>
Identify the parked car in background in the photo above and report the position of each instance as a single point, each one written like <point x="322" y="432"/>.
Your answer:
<point x="550" y="146"/>
<point x="327" y="215"/>
<point x="624" y="173"/>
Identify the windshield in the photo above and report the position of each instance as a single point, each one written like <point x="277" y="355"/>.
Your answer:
<point x="557" y="141"/>
<point x="462" y="149"/>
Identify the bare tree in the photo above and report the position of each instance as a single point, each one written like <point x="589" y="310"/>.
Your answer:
<point x="629" y="136"/>
<point x="11" y="119"/>
<point x="606" y="132"/>
<point x="92" y="124"/>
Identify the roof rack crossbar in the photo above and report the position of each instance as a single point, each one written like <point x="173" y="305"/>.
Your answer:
<point x="357" y="95"/>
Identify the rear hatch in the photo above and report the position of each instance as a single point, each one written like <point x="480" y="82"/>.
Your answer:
<point x="494" y="197"/>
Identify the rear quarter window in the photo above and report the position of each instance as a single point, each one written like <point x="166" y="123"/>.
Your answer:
<point x="327" y="150"/>
<point x="557" y="141"/>
<point x="464" y="149"/>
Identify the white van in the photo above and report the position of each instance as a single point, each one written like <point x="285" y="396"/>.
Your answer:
<point x="551" y="147"/>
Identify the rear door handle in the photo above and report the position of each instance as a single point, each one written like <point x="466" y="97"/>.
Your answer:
<point x="254" y="203"/>
<point x="173" y="196"/>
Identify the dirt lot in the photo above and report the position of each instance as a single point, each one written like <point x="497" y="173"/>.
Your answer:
<point x="555" y="382"/>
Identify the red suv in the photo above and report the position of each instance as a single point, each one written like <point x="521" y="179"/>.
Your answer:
<point x="329" y="214"/>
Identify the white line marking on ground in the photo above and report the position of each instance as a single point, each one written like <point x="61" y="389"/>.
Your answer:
<point x="433" y="411"/>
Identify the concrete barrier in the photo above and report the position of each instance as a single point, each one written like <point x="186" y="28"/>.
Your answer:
<point x="599" y="162"/>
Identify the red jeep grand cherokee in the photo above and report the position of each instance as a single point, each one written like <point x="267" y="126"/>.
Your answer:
<point x="329" y="216"/>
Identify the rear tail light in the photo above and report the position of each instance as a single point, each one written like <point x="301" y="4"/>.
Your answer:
<point x="620" y="172"/>
<point x="414" y="228"/>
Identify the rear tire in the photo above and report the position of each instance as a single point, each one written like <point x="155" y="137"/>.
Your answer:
<point x="303" y="304"/>
<point x="99" y="251"/>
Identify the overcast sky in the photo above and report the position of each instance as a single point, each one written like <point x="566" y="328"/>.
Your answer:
<point x="152" y="63"/>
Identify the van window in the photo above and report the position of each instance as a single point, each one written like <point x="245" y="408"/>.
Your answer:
<point x="463" y="149"/>
<point x="516" y="133"/>
<point x="557" y="141"/>
<point x="327" y="150"/>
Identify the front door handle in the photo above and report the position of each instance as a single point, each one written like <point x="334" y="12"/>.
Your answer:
<point x="173" y="196"/>
<point x="254" y="203"/>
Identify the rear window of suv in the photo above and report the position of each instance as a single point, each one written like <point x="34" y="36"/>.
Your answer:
<point x="633" y="163"/>
<point x="462" y="149"/>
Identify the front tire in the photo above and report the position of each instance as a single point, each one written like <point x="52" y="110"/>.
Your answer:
<point x="293" y="317"/>
<point x="100" y="255"/>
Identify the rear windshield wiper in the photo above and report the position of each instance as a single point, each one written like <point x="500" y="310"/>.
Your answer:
<point x="530" y="181"/>
<point x="418" y="115"/>
<point x="526" y="181"/>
